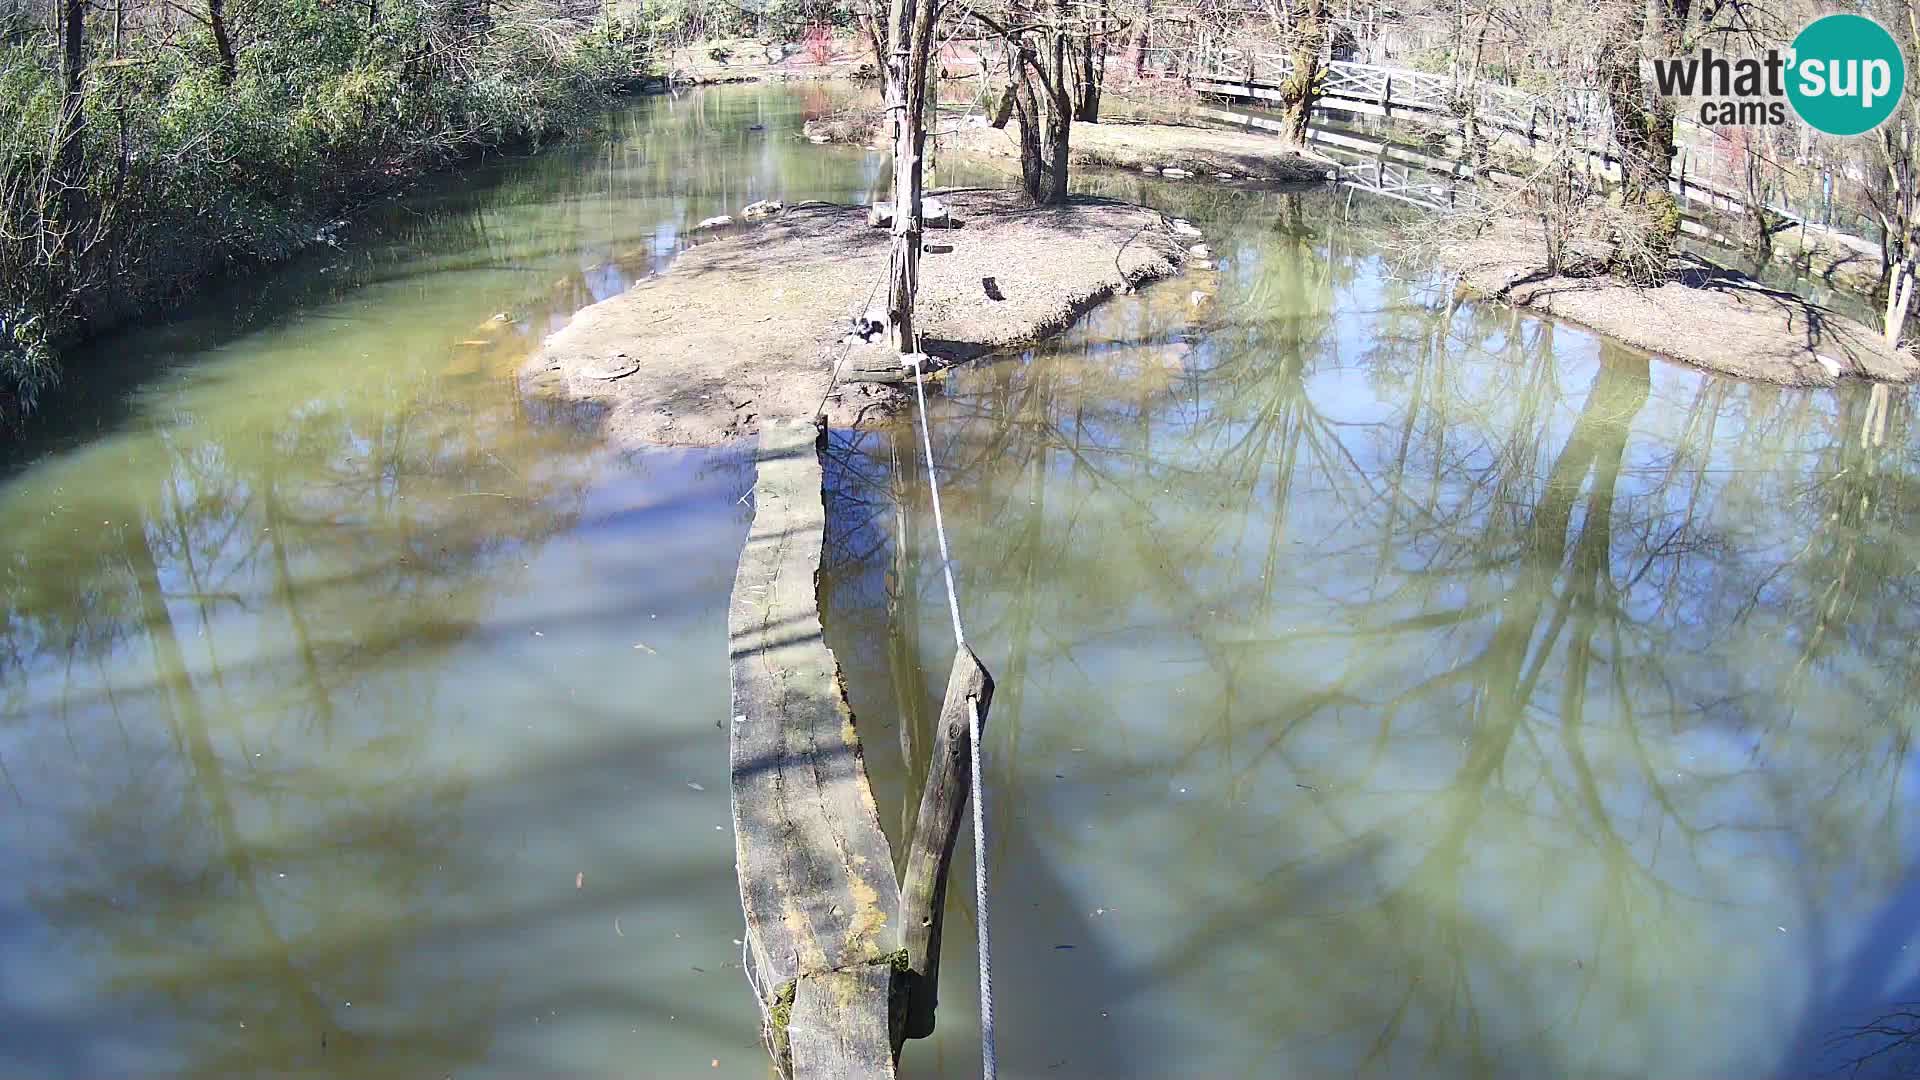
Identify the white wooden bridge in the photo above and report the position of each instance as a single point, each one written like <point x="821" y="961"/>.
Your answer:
<point x="1525" y="123"/>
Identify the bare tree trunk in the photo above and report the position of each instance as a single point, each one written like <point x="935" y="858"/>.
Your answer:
<point x="1003" y="111"/>
<point x="1899" y="301"/>
<point x="1298" y="92"/>
<point x="1468" y="102"/>
<point x="217" y="20"/>
<point x="1143" y="39"/>
<point x="1042" y="98"/>
<point x="69" y="136"/>
<point x="1643" y="130"/>
<point x="1059" y="125"/>
<point x="912" y="26"/>
<point x="1092" y="63"/>
<point x="1759" y="218"/>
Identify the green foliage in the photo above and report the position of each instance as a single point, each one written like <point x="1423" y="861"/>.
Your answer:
<point x="181" y="174"/>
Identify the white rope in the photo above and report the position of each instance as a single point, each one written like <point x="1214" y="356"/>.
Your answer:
<point x="988" y="1059"/>
<point x="989" y="1065"/>
<point x="939" y="523"/>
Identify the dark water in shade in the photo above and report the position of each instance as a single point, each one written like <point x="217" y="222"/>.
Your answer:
<point x="1387" y="686"/>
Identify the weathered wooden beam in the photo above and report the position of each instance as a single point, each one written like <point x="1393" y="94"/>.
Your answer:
<point x="841" y="1023"/>
<point x="816" y="874"/>
<point x="943" y="804"/>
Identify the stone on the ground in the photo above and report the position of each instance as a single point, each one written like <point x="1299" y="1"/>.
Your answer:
<point x="618" y="366"/>
<point x="719" y="222"/>
<point x="760" y="211"/>
<point x="933" y="213"/>
<point x="1175" y="174"/>
<point x="818" y="140"/>
<point x="1183" y="227"/>
<point x="1200" y="251"/>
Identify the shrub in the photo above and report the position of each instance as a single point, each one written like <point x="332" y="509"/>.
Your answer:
<point x="182" y="173"/>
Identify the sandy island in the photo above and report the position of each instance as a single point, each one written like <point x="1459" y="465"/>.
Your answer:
<point x="749" y="326"/>
<point x="1708" y="316"/>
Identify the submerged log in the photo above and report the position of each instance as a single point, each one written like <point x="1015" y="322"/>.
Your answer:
<point x="816" y="873"/>
<point x="943" y="804"/>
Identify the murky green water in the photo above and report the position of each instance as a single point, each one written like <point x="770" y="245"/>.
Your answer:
<point x="1391" y="687"/>
<point x="1387" y="686"/>
<point x="354" y="722"/>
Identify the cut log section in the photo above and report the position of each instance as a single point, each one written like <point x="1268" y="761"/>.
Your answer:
<point x="816" y="873"/>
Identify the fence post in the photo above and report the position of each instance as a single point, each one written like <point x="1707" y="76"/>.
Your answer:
<point x="1386" y="95"/>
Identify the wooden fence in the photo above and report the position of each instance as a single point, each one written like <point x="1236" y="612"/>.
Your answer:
<point x="1515" y="119"/>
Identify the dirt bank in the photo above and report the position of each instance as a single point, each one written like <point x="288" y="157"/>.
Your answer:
<point x="1709" y="317"/>
<point x="1202" y="151"/>
<point x="735" y="60"/>
<point x="749" y="326"/>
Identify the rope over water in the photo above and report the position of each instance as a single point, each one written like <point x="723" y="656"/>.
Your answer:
<point x="988" y="1061"/>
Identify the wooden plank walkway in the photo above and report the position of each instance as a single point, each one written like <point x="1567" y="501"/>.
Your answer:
<point x="816" y="873"/>
<point x="846" y="959"/>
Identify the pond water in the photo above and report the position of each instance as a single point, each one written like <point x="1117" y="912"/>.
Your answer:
<point x="355" y="722"/>
<point x="1386" y="685"/>
<point x="1392" y="686"/>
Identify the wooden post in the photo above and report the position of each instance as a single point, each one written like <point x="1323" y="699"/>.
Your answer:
<point x="1386" y="96"/>
<point x="1003" y="110"/>
<point x="943" y="803"/>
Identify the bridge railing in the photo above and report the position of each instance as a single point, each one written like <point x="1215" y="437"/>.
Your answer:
<point x="1582" y="116"/>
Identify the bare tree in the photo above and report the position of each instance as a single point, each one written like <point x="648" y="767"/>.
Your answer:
<point x="222" y="40"/>
<point x="910" y="26"/>
<point x="1895" y="194"/>
<point x="1044" y="40"/>
<point x="1308" y="31"/>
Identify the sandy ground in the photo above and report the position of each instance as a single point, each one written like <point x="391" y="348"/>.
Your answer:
<point x="752" y="60"/>
<point x="1201" y="151"/>
<point x="1709" y="317"/>
<point x="749" y="326"/>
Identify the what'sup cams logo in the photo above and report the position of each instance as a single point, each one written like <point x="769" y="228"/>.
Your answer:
<point x="1843" y="75"/>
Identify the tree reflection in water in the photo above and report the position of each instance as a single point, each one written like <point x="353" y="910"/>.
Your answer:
<point x="1391" y="684"/>
<point x="355" y="723"/>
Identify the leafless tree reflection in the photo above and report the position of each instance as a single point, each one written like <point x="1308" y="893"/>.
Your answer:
<point x="1389" y="683"/>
